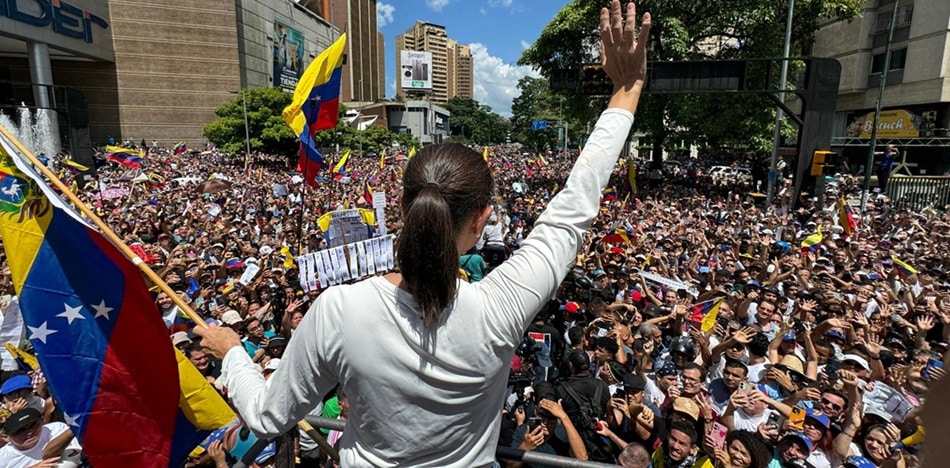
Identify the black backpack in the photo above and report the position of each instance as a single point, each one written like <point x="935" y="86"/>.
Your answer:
<point x="597" y="450"/>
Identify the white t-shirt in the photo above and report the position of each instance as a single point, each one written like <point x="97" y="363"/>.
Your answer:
<point x="756" y="371"/>
<point x="427" y="397"/>
<point x="10" y="457"/>
<point x="742" y="421"/>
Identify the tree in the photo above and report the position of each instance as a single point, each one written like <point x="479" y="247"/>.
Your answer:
<point x="693" y="30"/>
<point x="474" y="123"/>
<point x="265" y="123"/>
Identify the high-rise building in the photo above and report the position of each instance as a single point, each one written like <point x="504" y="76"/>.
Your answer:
<point x="451" y="61"/>
<point x="916" y="99"/>
<point x="364" y="72"/>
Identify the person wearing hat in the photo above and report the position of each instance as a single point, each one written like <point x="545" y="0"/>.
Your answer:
<point x="635" y="418"/>
<point x="18" y="393"/>
<point x="817" y="428"/>
<point x="30" y="440"/>
<point x="180" y="340"/>
<point x="784" y="378"/>
<point x="791" y="447"/>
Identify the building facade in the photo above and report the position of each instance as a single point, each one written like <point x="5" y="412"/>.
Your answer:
<point x="916" y="99"/>
<point x="364" y="74"/>
<point x="451" y="62"/>
<point x="150" y="69"/>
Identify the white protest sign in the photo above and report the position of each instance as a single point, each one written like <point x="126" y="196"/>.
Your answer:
<point x="249" y="273"/>
<point x="214" y="210"/>
<point x="379" y="204"/>
<point x="11" y="331"/>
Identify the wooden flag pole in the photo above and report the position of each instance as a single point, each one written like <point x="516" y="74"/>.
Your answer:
<point x="138" y="262"/>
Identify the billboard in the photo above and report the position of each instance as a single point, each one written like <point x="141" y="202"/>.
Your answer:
<point x="288" y="56"/>
<point x="894" y="123"/>
<point x="416" y="70"/>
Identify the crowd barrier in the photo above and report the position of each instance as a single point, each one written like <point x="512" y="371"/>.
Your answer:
<point x="917" y="193"/>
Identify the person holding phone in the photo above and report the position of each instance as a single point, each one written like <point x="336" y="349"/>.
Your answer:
<point x="550" y="431"/>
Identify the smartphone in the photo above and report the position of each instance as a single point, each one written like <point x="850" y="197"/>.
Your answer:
<point x="774" y="420"/>
<point x="621" y="394"/>
<point x="718" y="435"/>
<point x="931" y="364"/>
<point x="797" y="418"/>
<point x="533" y="423"/>
<point x="743" y="387"/>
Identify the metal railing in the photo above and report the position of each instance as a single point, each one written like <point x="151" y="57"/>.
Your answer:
<point x="919" y="192"/>
<point x="506" y="453"/>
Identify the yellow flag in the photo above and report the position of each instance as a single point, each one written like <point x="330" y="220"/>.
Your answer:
<point x="382" y="159"/>
<point x="412" y="152"/>
<point x="288" y="258"/>
<point x="201" y="405"/>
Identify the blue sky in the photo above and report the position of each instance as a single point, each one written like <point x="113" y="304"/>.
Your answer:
<point x="497" y="30"/>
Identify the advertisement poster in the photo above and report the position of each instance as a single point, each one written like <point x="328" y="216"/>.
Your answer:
<point x="894" y="123"/>
<point x="415" y="70"/>
<point x="288" y="56"/>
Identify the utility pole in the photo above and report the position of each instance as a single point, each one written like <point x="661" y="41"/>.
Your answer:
<point x="877" y="111"/>
<point x="779" y="114"/>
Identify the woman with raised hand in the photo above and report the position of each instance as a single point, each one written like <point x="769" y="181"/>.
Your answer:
<point x="423" y="355"/>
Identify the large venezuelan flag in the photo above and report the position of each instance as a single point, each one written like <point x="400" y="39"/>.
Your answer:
<point x="339" y="169"/>
<point x="812" y="242"/>
<point x="316" y="106"/>
<point x="98" y="334"/>
<point x="904" y="269"/>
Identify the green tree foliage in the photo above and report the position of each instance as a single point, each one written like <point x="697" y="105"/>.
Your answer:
<point x="474" y="123"/>
<point x="270" y="134"/>
<point x="265" y="123"/>
<point x="694" y="30"/>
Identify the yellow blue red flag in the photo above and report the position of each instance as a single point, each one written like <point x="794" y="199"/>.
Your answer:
<point x="97" y="332"/>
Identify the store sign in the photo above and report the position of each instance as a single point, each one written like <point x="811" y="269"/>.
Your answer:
<point x="64" y="18"/>
<point x="895" y="123"/>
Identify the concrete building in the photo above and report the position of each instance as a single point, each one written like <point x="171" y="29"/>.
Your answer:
<point x="916" y="100"/>
<point x="451" y="62"/>
<point x="150" y="69"/>
<point x="426" y="121"/>
<point x="364" y="75"/>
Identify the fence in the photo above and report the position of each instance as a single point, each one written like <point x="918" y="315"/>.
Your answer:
<point x="534" y="458"/>
<point x="919" y="192"/>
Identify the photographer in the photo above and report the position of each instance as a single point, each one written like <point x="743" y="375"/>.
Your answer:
<point x="551" y="431"/>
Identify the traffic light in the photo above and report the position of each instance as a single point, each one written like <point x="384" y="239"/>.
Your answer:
<point x="818" y="162"/>
<point x="594" y="81"/>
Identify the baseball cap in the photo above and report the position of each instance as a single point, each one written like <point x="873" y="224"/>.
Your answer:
<point x="835" y="334"/>
<point x="22" y="419"/>
<point x="17" y="382"/>
<point x="179" y="338"/>
<point x="217" y="246"/>
<point x="800" y="437"/>
<point x="789" y="336"/>
<point x="231" y="317"/>
<point x="571" y="307"/>
<point x="271" y="365"/>
<point x="688" y="407"/>
<point x="818" y="416"/>
<point x="276" y="342"/>
<point x="634" y="381"/>
<point x="666" y="370"/>
<point x="860" y="361"/>
<point x="856" y="461"/>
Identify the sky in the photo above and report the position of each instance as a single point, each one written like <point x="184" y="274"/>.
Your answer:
<point x="497" y="30"/>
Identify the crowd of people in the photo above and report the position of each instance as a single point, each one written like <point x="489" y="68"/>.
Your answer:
<point x="698" y="326"/>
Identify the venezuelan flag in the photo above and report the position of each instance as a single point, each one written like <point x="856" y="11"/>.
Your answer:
<point x="339" y="169"/>
<point x="485" y="153"/>
<point x="74" y="165"/>
<point x="705" y="313"/>
<point x="367" y="193"/>
<point x="180" y="148"/>
<point x="903" y="269"/>
<point x="382" y="159"/>
<point x="129" y="160"/>
<point x="813" y="242"/>
<point x="98" y="335"/>
<point x="316" y="106"/>
<point x="846" y="217"/>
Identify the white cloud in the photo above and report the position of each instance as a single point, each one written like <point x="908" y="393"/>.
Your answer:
<point x="500" y="3"/>
<point x="525" y="44"/>
<point x="496" y="82"/>
<point x="437" y="5"/>
<point x="384" y="14"/>
<point x="391" y="88"/>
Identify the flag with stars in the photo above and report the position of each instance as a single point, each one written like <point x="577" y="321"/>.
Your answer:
<point x="98" y="335"/>
<point x="316" y="105"/>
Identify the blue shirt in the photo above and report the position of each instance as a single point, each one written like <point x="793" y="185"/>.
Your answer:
<point x="252" y="348"/>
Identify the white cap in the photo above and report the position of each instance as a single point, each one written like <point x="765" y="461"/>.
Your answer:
<point x="250" y="260"/>
<point x="272" y="365"/>
<point x="860" y="361"/>
<point x="231" y="317"/>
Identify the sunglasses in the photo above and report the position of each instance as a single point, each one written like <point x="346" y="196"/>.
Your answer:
<point x="834" y="406"/>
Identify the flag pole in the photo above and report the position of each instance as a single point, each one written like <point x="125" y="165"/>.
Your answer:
<point x="142" y="266"/>
<point x="105" y="230"/>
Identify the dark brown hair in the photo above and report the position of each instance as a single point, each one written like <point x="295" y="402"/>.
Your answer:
<point x="443" y="186"/>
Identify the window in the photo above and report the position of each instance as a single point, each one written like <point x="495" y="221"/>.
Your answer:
<point x="905" y="13"/>
<point x="898" y="58"/>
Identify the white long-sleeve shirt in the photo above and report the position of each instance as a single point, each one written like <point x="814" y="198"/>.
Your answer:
<point x="418" y="397"/>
